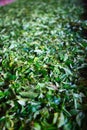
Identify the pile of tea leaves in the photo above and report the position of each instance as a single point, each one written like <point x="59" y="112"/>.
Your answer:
<point x="42" y="48"/>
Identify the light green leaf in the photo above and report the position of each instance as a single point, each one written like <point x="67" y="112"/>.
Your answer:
<point x="61" y="120"/>
<point x="37" y="126"/>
